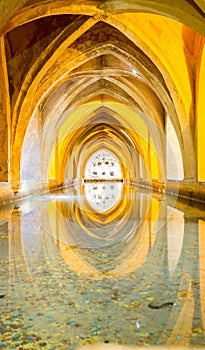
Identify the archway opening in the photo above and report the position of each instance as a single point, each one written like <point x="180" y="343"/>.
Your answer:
<point x="103" y="166"/>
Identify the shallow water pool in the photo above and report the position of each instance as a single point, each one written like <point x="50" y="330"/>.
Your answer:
<point x="101" y="263"/>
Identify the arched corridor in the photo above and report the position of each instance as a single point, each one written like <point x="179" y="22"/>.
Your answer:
<point x="123" y="76"/>
<point x="102" y="172"/>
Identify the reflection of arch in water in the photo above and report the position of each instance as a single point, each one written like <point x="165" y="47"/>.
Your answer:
<point x="175" y="237"/>
<point x="30" y="236"/>
<point x="103" y="196"/>
<point x="74" y="225"/>
<point x="142" y="238"/>
<point x="89" y="228"/>
<point x="133" y="227"/>
<point x="88" y="217"/>
<point x="183" y="286"/>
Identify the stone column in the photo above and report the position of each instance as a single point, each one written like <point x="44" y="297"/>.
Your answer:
<point x="4" y="114"/>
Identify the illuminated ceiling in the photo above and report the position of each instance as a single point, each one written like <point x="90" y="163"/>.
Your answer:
<point x="81" y="76"/>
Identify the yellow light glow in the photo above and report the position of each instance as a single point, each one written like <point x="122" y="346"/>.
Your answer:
<point x="201" y="120"/>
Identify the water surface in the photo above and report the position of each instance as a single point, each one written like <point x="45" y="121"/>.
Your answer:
<point x="101" y="262"/>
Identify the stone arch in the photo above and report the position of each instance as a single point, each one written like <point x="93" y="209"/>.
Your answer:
<point x="175" y="122"/>
<point x="19" y="13"/>
<point x="68" y="145"/>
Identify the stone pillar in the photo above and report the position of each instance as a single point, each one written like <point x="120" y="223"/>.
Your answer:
<point x="4" y="114"/>
<point x="42" y="150"/>
<point x="57" y="170"/>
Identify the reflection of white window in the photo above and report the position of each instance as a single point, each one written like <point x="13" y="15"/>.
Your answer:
<point x="101" y="196"/>
<point x="102" y="165"/>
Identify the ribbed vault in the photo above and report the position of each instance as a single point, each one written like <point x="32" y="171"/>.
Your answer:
<point x="83" y="76"/>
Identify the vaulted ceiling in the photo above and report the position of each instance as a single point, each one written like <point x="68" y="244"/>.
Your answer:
<point x="95" y="75"/>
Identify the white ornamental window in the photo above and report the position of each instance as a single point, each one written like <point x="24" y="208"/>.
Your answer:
<point x="102" y="165"/>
